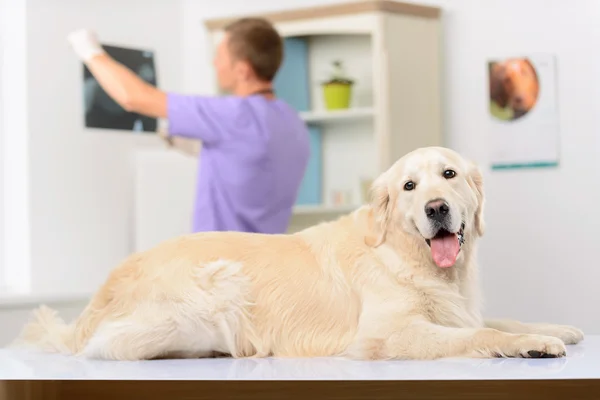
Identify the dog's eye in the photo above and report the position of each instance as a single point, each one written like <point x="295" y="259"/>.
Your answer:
<point x="449" y="174"/>
<point x="408" y="186"/>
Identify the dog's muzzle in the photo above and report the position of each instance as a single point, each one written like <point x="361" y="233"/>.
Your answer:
<point x="460" y="235"/>
<point x="446" y="244"/>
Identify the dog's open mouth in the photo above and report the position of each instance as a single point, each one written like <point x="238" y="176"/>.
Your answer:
<point x="445" y="246"/>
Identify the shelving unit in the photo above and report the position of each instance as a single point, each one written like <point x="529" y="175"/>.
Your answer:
<point x="391" y="50"/>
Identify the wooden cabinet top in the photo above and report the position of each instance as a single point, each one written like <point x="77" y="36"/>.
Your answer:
<point x="358" y="7"/>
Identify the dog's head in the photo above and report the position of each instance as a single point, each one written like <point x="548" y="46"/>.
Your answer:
<point x="432" y="196"/>
<point x="514" y="83"/>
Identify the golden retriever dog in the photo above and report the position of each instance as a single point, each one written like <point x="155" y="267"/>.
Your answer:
<point x="514" y="84"/>
<point x="396" y="279"/>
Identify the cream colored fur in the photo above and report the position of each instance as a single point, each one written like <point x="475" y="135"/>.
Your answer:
<point x="363" y="286"/>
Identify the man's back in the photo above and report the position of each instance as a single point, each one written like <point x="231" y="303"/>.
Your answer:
<point x="255" y="148"/>
<point x="250" y="184"/>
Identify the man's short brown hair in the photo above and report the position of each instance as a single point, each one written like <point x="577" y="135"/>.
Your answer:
<point x="256" y="41"/>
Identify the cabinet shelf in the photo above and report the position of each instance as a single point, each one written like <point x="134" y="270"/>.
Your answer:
<point x="323" y="209"/>
<point x="348" y="115"/>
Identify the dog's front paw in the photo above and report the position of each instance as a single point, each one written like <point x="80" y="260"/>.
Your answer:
<point x="534" y="346"/>
<point x="568" y="334"/>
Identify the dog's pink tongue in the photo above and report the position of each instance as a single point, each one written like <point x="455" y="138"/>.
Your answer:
<point x="445" y="250"/>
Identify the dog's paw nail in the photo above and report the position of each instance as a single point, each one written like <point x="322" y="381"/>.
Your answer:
<point x="546" y="355"/>
<point x="534" y="354"/>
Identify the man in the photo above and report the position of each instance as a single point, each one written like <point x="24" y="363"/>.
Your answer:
<point x="255" y="148"/>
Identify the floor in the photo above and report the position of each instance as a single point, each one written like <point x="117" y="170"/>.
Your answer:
<point x="581" y="363"/>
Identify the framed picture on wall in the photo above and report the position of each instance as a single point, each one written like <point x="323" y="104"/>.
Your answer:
<point x="103" y="112"/>
<point x="523" y="112"/>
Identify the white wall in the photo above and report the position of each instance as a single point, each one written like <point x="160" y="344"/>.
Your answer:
<point x="14" y="155"/>
<point x="81" y="186"/>
<point x="161" y="213"/>
<point x="2" y="57"/>
<point x="538" y="255"/>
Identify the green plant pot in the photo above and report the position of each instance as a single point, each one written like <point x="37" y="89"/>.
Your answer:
<point x="337" y="95"/>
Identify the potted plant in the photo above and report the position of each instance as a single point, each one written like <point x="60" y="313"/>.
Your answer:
<point x="337" y="90"/>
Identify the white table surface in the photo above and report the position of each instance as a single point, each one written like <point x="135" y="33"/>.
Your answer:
<point x="582" y="362"/>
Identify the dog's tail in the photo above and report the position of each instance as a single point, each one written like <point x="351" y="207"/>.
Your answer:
<point x="47" y="332"/>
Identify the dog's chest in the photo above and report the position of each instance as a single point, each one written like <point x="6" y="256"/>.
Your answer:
<point x="443" y="304"/>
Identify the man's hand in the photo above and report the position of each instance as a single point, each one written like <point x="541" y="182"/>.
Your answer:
<point x="85" y="44"/>
<point x="119" y="82"/>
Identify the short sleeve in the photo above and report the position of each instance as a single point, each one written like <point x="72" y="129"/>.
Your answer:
<point x="209" y="119"/>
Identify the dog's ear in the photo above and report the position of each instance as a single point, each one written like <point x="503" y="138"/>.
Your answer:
<point x="476" y="183"/>
<point x="381" y="213"/>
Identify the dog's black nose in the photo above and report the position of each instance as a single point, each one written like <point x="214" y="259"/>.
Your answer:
<point x="437" y="210"/>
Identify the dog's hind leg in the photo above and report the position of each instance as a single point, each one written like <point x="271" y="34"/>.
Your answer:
<point x="568" y="334"/>
<point x="152" y="331"/>
<point x="421" y="339"/>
